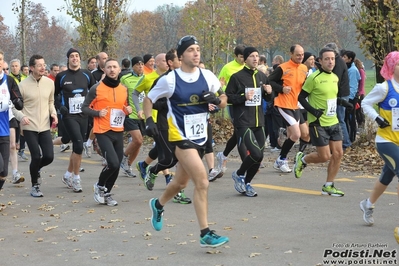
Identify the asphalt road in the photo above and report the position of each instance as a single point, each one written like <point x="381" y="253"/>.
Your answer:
<point x="289" y="223"/>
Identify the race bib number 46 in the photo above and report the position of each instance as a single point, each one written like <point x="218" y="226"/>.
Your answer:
<point x="117" y="118"/>
<point x="195" y="126"/>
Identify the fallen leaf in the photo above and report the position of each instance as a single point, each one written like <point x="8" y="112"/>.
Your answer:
<point x="50" y="228"/>
<point x="288" y="252"/>
<point x="213" y="251"/>
<point x="152" y="258"/>
<point x="254" y="255"/>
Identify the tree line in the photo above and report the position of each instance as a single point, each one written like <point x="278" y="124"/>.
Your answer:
<point x="270" y="25"/>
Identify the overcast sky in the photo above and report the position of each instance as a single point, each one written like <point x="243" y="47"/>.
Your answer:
<point x="52" y="5"/>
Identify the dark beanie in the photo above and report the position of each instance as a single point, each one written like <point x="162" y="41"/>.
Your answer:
<point x="72" y="50"/>
<point x="137" y="59"/>
<point x="249" y="50"/>
<point x="183" y="45"/>
<point x="306" y="55"/>
<point x="147" y="58"/>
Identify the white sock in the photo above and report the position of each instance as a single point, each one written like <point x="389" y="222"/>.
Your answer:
<point x="68" y="173"/>
<point x="303" y="160"/>
<point x="76" y="177"/>
<point x="369" y="204"/>
<point x="328" y="184"/>
<point x="89" y="142"/>
<point x="14" y="171"/>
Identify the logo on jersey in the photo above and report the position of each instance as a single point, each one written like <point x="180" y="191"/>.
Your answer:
<point x="392" y="102"/>
<point x="194" y="98"/>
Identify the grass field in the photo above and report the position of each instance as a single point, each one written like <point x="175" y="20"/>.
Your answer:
<point x="370" y="80"/>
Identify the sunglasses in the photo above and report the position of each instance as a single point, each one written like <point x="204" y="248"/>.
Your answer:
<point x="4" y="69"/>
<point x="188" y="38"/>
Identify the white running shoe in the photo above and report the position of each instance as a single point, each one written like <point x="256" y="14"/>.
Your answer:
<point x="76" y="186"/>
<point x="221" y="162"/>
<point x="282" y="165"/>
<point x="67" y="180"/>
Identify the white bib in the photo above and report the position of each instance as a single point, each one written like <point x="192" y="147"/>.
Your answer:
<point x="4" y="97"/>
<point x="195" y="126"/>
<point x="75" y="104"/>
<point x="331" y="107"/>
<point x="256" y="98"/>
<point x="117" y="118"/>
<point x="395" y="119"/>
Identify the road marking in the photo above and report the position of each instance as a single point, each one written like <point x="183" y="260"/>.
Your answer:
<point x="344" y="180"/>
<point x="83" y="160"/>
<point x="365" y="176"/>
<point x="289" y="189"/>
<point x="386" y="192"/>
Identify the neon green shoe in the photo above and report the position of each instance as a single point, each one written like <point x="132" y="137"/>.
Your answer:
<point x="181" y="198"/>
<point x="299" y="164"/>
<point x="332" y="191"/>
<point x="149" y="180"/>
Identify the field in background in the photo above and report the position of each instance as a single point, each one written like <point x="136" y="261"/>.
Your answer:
<point x="370" y="80"/>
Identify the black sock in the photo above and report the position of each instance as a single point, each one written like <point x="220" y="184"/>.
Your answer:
<point x="205" y="231"/>
<point x="210" y="170"/>
<point x="288" y="143"/>
<point x="2" y="183"/>
<point x="167" y="176"/>
<point x="145" y="164"/>
<point x="158" y="205"/>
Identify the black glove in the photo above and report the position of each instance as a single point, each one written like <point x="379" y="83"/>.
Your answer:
<point x="210" y="97"/>
<point x="318" y="112"/>
<point x="382" y="122"/>
<point x="18" y="103"/>
<point x="150" y="127"/>
<point x="64" y="110"/>
<point x="346" y="104"/>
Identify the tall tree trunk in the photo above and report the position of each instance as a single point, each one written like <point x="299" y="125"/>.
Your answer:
<point x="22" y="20"/>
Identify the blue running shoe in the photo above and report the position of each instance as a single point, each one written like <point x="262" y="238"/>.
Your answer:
<point x="157" y="215"/>
<point x="239" y="183"/>
<point x="168" y="178"/>
<point x="250" y="191"/>
<point x="212" y="240"/>
<point x="142" y="171"/>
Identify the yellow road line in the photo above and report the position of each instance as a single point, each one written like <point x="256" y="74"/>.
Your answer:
<point x="289" y="189"/>
<point x="386" y="192"/>
<point x="344" y="180"/>
<point x="83" y="160"/>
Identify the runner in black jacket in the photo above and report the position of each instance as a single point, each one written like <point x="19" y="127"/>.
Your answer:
<point x="245" y="91"/>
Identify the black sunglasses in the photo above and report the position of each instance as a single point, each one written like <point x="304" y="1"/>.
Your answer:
<point x="4" y="69"/>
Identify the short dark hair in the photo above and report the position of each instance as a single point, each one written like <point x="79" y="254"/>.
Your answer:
<point x="323" y="50"/>
<point x="262" y="58"/>
<point x="350" y="54"/>
<point x="111" y="59"/>
<point x="53" y="65"/>
<point x="91" y="58"/>
<point x="23" y="66"/>
<point x="170" y="55"/>
<point x="292" y="48"/>
<point x="239" y="50"/>
<point x="125" y="63"/>
<point x="33" y="58"/>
